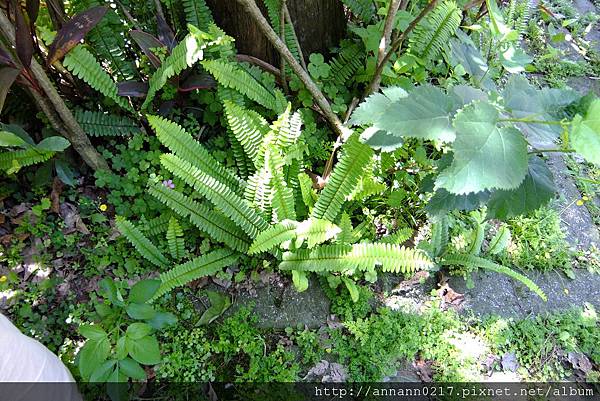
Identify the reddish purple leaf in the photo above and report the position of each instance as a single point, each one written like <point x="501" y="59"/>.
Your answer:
<point x="133" y="88"/>
<point x="165" y="33"/>
<point x="7" y="77"/>
<point x="198" y="81"/>
<point x="33" y="8"/>
<point x="146" y="42"/>
<point x="23" y="38"/>
<point x="74" y="31"/>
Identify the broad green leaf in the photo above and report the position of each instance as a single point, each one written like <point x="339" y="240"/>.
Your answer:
<point x="463" y="52"/>
<point x="352" y="288"/>
<point x="424" y="113"/>
<point x="92" y="355"/>
<point x="443" y="202"/>
<point x="144" y="350"/>
<point x="486" y="156"/>
<point x="132" y="369"/>
<point x="219" y="303"/>
<point x="10" y="139"/>
<point x="465" y="94"/>
<point x="94" y="332"/>
<point x="585" y="133"/>
<point x="135" y="331"/>
<point x="143" y="291"/>
<point x="300" y="280"/>
<point x="102" y="372"/>
<point x="514" y="59"/>
<point x="140" y="311"/>
<point x="381" y="140"/>
<point x="162" y="320"/>
<point x="54" y="144"/>
<point x="121" y="349"/>
<point x="500" y="241"/>
<point x="536" y="190"/>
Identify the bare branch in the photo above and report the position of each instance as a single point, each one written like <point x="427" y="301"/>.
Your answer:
<point x="385" y="38"/>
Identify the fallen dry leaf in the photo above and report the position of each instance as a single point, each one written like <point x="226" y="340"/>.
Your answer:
<point x="424" y="370"/>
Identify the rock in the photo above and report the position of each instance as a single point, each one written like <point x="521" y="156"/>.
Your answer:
<point x="326" y="372"/>
<point x="509" y="362"/>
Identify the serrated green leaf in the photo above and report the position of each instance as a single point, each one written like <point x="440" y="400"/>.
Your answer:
<point x="486" y="156"/>
<point x="144" y="350"/>
<point x="300" y="280"/>
<point x="585" y="133"/>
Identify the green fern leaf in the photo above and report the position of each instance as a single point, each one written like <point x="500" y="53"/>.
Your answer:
<point x="222" y="197"/>
<point x="230" y="75"/>
<point x="183" y="56"/>
<point x="218" y="227"/>
<point x="202" y="266"/>
<point x="346" y="64"/>
<point x="23" y="158"/>
<point x="476" y="261"/>
<point x="258" y="191"/>
<point x="274" y="236"/>
<point x="97" y="123"/>
<point x="197" y="13"/>
<point x="345" y="236"/>
<point x="347" y="258"/>
<point x="84" y="65"/>
<point x="433" y="33"/>
<point x="142" y="244"/>
<point x="175" y="239"/>
<point x="439" y="236"/>
<point x="282" y="196"/>
<point x="155" y="226"/>
<point x="362" y="9"/>
<point x="249" y="127"/>
<point x="399" y="237"/>
<point x="306" y="188"/>
<point x="183" y="145"/>
<point x="343" y="180"/>
<point x="315" y="231"/>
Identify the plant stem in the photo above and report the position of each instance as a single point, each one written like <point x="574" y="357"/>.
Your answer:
<point x="282" y="36"/>
<point x="385" y="39"/>
<point x="288" y="18"/>
<point x="535" y="151"/>
<point x="280" y="46"/>
<point x="526" y="120"/>
<point x="374" y="85"/>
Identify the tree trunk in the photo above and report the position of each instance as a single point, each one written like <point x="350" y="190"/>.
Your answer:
<point x="319" y="24"/>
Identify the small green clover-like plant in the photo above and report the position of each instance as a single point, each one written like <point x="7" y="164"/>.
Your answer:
<point x="123" y="338"/>
<point x="317" y="67"/>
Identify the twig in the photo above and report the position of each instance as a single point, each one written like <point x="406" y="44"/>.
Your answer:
<point x="260" y="63"/>
<point x="322" y="102"/>
<point x="385" y="39"/>
<point x="288" y="18"/>
<point x="395" y="46"/>
<point x="282" y="36"/>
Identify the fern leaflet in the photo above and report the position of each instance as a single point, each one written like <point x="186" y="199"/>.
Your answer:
<point x="175" y="239"/>
<point x="142" y="244"/>
<point x="97" y="123"/>
<point x="432" y="34"/>
<point x="274" y="236"/>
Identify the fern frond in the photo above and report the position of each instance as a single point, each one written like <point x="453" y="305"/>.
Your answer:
<point x="345" y="64"/>
<point x="309" y="197"/>
<point x="258" y="191"/>
<point x="399" y="237"/>
<point x="476" y="261"/>
<point x="217" y="226"/>
<point x="110" y="46"/>
<point x="282" y="198"/>
<point x="142" y="244"/>
<point x="84" y="65"/>
<point x="175" y="239"/>
<point x="477" y="238"/>
<point x="202" y="266"/>
<point x="345" y="236"/>
<point x="433" y="33"/>
<point x="155" y="226"/>
<point x="287" y="128"/>
<point x="244" y="165"/>
<point x="230" y="75"/>
<point x="343" y="179"/>
<point x="248" y="126"/>
<point x="315" y="231"/>
<point x="362" y="9"/>
<point x="367" y="186"/>
<point x="439" y="236"/>
<point x="23" y="158"/>
<point x="197" y="13"/>
<point x="97" y="123"/>
<point x="183" y="56"/>
<point x="500" y="241"/>
<point x="344" y="258"/>
<point x="186" y="147"/>
<point x="222" y="197"/>
<point x="274" y="236"/>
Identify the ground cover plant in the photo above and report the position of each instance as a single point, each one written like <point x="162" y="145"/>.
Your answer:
<point x="169" y="167"/>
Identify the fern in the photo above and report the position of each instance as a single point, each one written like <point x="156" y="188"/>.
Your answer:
<point x="142" y="244"/>
<point x="218" y="227"/>
<point x="183" y="145"/>
<point x="343" y="180"/>
<point x="282" y="196"/>
<point x="218" y="193"/>
<point x="274" y="236"/>
<point x="399" y="237"/>
<point x="97" y="123"/>
<point x="23" y="158"/>
<point x="248" y="126"/>
<point x="184" y="55"/>
<point x="175" y="239"/>
<point x="197" y="13"/>
<point x="362" y="9"/>
<point x="432" y="34"/>
<point x="242" y="161"/>
<point x="309" y="196"/>
<point x="155" y="226"/>
<point x="345" y="236"/>
<point x="439" y="236"/>
<point x="287" y="129"/>
<point x="202" y="266"/>
<point x="345" y="64"/>
<point x="84" y="65"/>
<point x="476" y="261"/>
<point x="347" y="258"/>
<point x="258" y="191"/>
<point x="230" y="75"/>
<point x="315" y="231"/>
